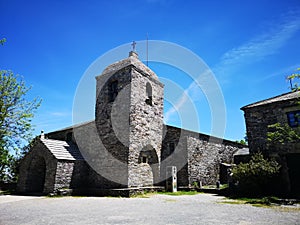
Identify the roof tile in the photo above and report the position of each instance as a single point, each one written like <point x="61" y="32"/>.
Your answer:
<point x="62" y="149"/>
<point x="279" y="98"/>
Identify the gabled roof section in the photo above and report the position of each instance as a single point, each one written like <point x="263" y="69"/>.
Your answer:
<point x="62" y="150"/>
<point x="284" y="97"/>
<point x="131" y="60"/>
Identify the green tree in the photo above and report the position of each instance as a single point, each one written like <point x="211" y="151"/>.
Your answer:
<point x="291" y="78"/>
<point x="254" y="177"/>
<point x="2" y="41"/>
<point x="243" y="141"/>
<point x="16" y="114"/>
<point x="282" y="133"/>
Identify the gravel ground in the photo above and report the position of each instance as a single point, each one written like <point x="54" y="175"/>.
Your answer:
<point x="157" y="209"/>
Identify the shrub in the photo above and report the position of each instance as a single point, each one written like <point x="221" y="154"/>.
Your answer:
<point x="254" y="177"/>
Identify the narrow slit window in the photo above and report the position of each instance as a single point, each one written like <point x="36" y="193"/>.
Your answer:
<point x="149" y="94"/>
<point x="144" y="159"/>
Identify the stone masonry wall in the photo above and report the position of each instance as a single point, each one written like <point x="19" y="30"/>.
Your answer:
<point x="257" y="121"/>
<point x="38" y="162"/>
<point x="64" y="172"/>
<point x="196" y="156"/>
<point x="62" y="135"/>
<point x="205" y="156"/>
<point x="146" y="126"/>
<point x="176" y="137"/>
<point x="112" y="123"/>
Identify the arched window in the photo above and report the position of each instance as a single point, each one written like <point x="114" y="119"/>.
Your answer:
<point x="149" y="93"/>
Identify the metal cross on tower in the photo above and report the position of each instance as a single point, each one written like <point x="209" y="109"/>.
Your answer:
<point x="133" y="46"/>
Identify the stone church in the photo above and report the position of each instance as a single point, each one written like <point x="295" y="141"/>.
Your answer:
<point x="127" y="147"/>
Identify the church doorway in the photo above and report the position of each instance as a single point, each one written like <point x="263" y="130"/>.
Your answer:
<point x="36" y="175"/>
<point x="149" y="160"/>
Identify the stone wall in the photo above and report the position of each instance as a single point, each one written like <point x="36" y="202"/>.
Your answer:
<point x="196" y="156"/>
<point x="64" y="172"/>
<point x="112" y="123"/>
<point x="146" y="125"/>
<point x="205" y="156"/>
<point x="176" y="156"/>
<point x="104" y="170"/>
<point x="257" y="120"/>
<point x="62" y="135"/>
<point x="37" y="170"/>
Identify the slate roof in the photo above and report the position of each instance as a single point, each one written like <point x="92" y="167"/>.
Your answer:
<point x="62" y="150"/>
<point x="279" y="98"/>
<point x="242" y="151"/>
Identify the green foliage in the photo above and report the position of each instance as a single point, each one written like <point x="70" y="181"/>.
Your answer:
<point x="259" y="202"/>
<point x="293" y="77"/>
<point x="195" y="184"/>
<point x="2" y="41"/>
<point x="16" y="114"/>
<point x="253" y="178"/>
<point x="178" y="193"/>
<point x="282" y="133"/>
<point x="243" y="142"/>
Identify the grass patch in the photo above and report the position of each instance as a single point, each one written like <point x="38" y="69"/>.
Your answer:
<point x="258" y="202"/>
<point x="144" y="195"/>
<point x="233" y="202"/>
<point x="178" y="193"/>
<point x="213" y="186"/>
<point x="55" y="196"/>
<point x="6" y="192"/>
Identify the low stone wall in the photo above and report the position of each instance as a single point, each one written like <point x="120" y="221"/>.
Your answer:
<point x="122" y="192"/>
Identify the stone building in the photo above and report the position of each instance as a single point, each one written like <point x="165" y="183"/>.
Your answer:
<point x="127" y="146"/>
<point x="283" y="109"/>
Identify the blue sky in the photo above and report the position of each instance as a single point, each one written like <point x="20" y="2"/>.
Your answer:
<point x="249" y="45"/>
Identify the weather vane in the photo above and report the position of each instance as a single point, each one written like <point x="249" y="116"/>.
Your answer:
<point x="133" y="46"/>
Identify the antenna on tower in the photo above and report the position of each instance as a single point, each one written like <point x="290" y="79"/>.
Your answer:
<point x="147" y="50"/>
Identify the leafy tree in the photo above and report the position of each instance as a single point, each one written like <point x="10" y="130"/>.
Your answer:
<point x="16" y="114"/>
<point x="293" y="77"/>
<point x="2" y="41"/>
<point x="252" y="178"/>
<point x="243" y="141"/>
<point x="282" y="133"/>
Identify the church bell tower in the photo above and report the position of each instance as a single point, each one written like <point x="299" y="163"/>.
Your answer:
<point x="129" y="120"/>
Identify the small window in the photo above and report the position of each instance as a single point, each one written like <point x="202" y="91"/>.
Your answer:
<point x="113" y="90"/>
<point x="149" y="94"/>
<point x="144" y="159"/>
<point x="293" y="118"/>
